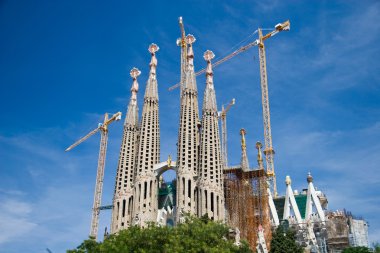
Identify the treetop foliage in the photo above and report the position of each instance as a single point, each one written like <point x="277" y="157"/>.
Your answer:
<point x="359" y="249"/>
<point x="194" y="235"/>
<point x="284" y="241"/>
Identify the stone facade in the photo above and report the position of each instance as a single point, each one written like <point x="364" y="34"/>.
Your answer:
<point x="211" y="195"/>
<point x="148" y="154"/>
<point x="199" y="181"/>
<point x="188" y="138"/>
<point x="123" y="196"/>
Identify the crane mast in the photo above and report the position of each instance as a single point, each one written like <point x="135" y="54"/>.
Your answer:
<point x="99" y="182"/>
<point x="103" y="128"/>
<point x="268" y="151"/>
<point x="223" y="119"/>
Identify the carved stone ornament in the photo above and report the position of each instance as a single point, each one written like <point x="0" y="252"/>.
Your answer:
<point x="190" y="39"/>
<point x="153" y="48"/>
<point x="135" y="72"/>
<point x="208" y="55"/>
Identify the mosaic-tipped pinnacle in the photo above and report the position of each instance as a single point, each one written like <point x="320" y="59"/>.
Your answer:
<point x="135" y="72"/>
<point x="208" y="55"/>
<point x="153" y="48"/>
<point x="190" y="39"/>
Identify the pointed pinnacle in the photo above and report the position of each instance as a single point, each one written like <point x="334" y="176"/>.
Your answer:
<point x="153" y="48"/>
<point x="208" y="55"/>
<point x="309" y="178"/>
<point x="135" y="72"/>
<point x="190" y="39"/>
<point x="288" y="181"/>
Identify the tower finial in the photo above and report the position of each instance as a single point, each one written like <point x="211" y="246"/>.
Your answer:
<point x="309" y="178"/>
<point x="208" y="56"/>
<point x="135" y="72"/>
<point x="132" y="112"/>
<point x="288" y="181"/>
<point x="242" y="133"/>
<point x="151" y="86"/>
<point x="153" y="48"/>
<point x="259" y="155"/>
<point x="190" y="39"/>
<point x="244" y="157"/>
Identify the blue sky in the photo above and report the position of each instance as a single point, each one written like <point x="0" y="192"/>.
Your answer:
<point x="65" y="63"/>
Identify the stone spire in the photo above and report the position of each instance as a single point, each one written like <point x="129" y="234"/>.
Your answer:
<point x="244" y="158"/>
<point x="190" y="78"/>
<point x="132" y="117"/>
<point x="145" y="187"/>
<point x="151" y="86"/>
<point x="312" y="198"/>
<point x="123" y="195"/>
<point x="188" y="139"/>
<point x="211" y="195"/>
<point x="260" y="163"/>
<point x="290" y="202"/>
<point x="209" y="101"/>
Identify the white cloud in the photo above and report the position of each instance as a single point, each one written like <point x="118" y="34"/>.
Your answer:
<point x="50" y="205"/>
<point x="15" y="220"/>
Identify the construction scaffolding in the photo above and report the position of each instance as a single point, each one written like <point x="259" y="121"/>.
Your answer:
<point x="247" y="204"/>
<point x="337" y="231"/>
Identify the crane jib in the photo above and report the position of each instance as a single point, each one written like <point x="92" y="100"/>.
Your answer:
<point x="285" y="26"/>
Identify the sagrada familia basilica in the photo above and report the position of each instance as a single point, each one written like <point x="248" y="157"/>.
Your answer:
<point x="241" y="196"/>
<point x="199" y="182"/>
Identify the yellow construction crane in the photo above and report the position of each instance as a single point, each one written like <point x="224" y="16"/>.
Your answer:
<point x="103" y="128"/>
<point x="182" y="42"/>
<point x="268" y="151"/>
<point x="223" y="118"/>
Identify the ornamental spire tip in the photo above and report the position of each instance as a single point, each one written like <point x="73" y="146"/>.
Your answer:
<point x="288" y="181"/>
<point x="153" y="48"/>
<point x="208" y="55"/>
<point x="243" y="133"/>
<point x="190" y="39"/>
<point x="259" y="155"/>
<point x="135" y="72"/>
<point x="309" y="178"/>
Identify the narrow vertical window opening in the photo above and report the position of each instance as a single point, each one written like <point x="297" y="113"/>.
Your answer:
<point x="123" y="212"/>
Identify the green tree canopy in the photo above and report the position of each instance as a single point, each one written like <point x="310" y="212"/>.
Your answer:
<point x="195" y="235"/>
<point x="376" y="247"/>
<point x="284" y="242"/>
<point x="357" y="250"/>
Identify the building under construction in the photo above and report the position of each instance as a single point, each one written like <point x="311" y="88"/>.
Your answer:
<point x="246" y="196"/>
<point x="242" y="196"/>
